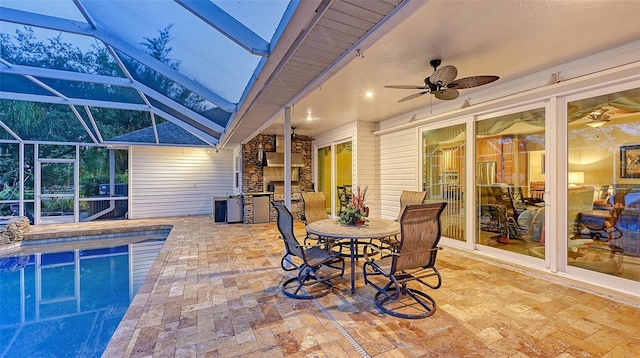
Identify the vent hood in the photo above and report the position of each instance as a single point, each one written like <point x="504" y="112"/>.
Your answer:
<point x="276" y="159"/>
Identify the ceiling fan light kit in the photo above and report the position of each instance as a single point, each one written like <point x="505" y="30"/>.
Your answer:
<point x="443" y="84"/>
<point x="598" y="118"/>
<point x="597" y="123"/>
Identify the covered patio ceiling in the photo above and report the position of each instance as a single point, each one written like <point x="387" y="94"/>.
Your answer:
<point x="232" y="66"/>
<point x="528" y="44"/>
<point x="214" y="70"/>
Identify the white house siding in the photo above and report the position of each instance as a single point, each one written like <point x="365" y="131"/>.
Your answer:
<point x="398" y="172"/>
<point x="366" y="164"/>
<point x="177" y="181"/>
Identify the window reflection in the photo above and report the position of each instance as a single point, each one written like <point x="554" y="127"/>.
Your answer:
<point x="510" y="182"/>
<point x="604" y="200"/>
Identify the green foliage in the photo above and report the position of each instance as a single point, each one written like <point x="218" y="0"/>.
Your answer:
<point x="159" y="48"/>
<point x="51" y="122"/>
<point x="57" y="123"/>
<point x="357" y="209"/>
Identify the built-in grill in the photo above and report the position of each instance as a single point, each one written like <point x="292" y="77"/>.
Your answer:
<point x="278" y="191"/>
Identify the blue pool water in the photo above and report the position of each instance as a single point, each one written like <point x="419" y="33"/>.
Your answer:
<point x="67" y="300"/>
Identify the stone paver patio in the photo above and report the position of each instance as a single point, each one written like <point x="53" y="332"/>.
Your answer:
<point x="213" y="291"/>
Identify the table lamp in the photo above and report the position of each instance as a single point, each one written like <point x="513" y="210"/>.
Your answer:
<point x="575" y="178"/>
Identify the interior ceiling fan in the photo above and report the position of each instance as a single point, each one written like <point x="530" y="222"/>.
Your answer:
<point x="295" y="136"/>
<point x="599" y="117"/>
<point x="443" y="84"/>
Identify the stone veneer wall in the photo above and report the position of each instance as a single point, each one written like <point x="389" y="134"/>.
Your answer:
<point x="253" y="172"/>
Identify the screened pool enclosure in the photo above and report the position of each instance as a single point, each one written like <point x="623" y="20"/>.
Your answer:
<point x="82" y="81"/>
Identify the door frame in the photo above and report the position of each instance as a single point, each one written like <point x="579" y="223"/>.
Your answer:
<point x="38" y="195"/>
<point x="332" y="144"/>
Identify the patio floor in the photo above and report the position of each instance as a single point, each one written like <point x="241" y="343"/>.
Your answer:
<point x="214" y="291"/>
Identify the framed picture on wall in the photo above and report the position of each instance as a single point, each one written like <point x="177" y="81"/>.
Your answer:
<point x="630" y="161"/>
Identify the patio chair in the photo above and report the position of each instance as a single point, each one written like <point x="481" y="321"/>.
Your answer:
<point x="410" y="198"/>
<point x="407" y="197"/>
<point x="316" y="265"/>
<point x="314" y="210"/>
<point x="314" y="207"/>
<point x="413" y="259"/>
<point x="344" y="196"/>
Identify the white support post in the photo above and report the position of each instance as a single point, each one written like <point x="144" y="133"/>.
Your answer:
<point x="287" y="157"/>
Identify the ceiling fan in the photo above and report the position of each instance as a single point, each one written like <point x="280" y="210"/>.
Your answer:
<point x="598" y="118"/>
<point x="443" y="84"/>
<point x="295" y="136"/>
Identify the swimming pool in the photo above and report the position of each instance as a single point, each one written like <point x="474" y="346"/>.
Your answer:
<point x="67" y="299"/>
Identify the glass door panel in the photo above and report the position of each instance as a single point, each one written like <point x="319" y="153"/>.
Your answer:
<point x="335" y="172"/>
<point x="344" y="175"/>
<point x="324" y="175"/>
<point x="57" y="192"/>
<point x="510" y="182"/>
<point x="603" y="175"/>
<point x="443" y="175"/>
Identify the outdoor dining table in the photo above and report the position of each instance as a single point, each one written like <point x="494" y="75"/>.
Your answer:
<point x="374" y="229"/>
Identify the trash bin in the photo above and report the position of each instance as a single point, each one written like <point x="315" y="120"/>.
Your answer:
<point x="235" y="210"/>
<point x="220" y="210"/>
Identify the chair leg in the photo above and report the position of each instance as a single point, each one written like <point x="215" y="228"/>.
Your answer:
<point x="308" y="282"/>
<point x="427" y="306"/>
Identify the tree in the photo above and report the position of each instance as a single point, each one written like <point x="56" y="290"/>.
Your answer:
<point x="57" y="123"/>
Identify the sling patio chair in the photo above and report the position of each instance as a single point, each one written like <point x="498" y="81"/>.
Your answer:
<point x="317" y="265"/>
<point x="413" y="259"/>
<point x="314" y="210"/>
<point x="407" y="197"/>
<point x="315" y="207"/>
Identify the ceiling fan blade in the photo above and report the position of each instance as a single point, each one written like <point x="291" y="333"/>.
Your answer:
<point x="407" y="86"/>
<point x="415" y="95"/>
<point x="447" y="94"/>
<point x="302" y="137"/>
<point x="474" y="81"/>
<point x="296" y="136"/>
<point x="444" y="75"/>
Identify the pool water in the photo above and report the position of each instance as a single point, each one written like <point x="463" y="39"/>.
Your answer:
<point x="68" y="303"/>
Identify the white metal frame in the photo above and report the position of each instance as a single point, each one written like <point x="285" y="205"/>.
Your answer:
<point x="38" y="195"/>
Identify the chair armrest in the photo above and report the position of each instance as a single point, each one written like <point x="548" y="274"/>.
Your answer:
<point x="379" y="250"/>
<point x="437" y="248"/>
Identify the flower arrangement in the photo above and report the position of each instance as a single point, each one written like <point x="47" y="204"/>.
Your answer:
<point x="356" y="211"/>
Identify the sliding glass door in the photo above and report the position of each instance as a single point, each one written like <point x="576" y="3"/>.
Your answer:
<point x="443" y="175"/>
<point x="603" y="177"/>
<point x="510" y="182"/>
<point x="335" y="173"/>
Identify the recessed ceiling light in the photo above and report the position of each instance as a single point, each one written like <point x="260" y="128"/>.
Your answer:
<point x="369" y="94"/>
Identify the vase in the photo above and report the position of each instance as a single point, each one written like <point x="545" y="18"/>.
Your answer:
<point x="360" y="222"/>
